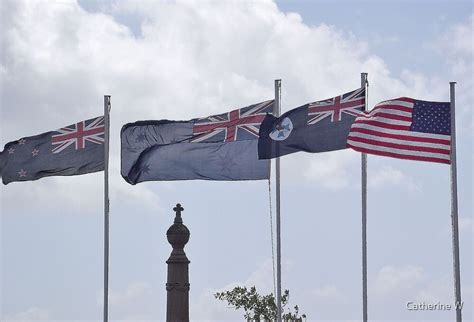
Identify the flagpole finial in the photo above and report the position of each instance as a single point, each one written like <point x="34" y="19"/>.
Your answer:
<point x="177" y="210"/>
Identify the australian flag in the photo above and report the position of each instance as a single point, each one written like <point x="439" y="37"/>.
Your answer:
<point x="71" y="150"/>
<point x="219" y="147"/>
<point x="315" y="127"/>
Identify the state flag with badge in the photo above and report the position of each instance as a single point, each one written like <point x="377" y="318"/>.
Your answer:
<point x="315" y="127"/>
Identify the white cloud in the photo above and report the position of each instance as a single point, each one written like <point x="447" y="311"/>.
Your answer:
<point x="390" y="288"/>
<point x="389" y="176"/>
<point x="135" y="302"/>
<point x="456" y="46"/>
<point x="458" y="40"/>
<point x="391" y="279"/>
<point x="336" y="170"/>
<point x="80" y="194"/>
<point x="440" y="290"/>
<point x="191" y="59"/>
<point x="466" y="225"/>
<point x="31" y="314"/>
<point x="134" y="292"/>
<point x="207" y="308"/>
<point x="328" y="292"/>
<point x="393" y="286"/>
<point x="188" y="62"/>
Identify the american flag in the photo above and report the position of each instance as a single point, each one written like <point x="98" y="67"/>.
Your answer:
<point x="350" y="103"/>
<point x="78" y="134"/>
<point x="241" y="124"/>
<point x="404" y="128"/>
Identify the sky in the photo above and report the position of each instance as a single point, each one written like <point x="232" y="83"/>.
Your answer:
<point x="187" y="59"/>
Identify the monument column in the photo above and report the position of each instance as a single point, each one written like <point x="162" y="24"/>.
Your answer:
<point x="177" y="285"/>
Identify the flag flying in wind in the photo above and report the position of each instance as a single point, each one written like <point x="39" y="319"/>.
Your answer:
<point x="405" y="128"/>
<point x="219" y="147"/>
<point x="315" y="127"/>
<point x="72" y="150"/>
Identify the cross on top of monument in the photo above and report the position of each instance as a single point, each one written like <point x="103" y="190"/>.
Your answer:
<point x="178" y="209"/>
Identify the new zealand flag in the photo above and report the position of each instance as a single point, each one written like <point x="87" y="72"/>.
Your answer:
<point x="72" y="150"/>
<point x="219" y="147"/>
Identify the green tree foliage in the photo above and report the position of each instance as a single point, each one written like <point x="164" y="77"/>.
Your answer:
<point x="259" y="307"/>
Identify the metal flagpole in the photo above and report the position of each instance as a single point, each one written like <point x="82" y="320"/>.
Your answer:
<point x="106" y="205"/>
<point x="363" y="83"/>
<point x="454" y="209"/>
<point x="276" y="112"/>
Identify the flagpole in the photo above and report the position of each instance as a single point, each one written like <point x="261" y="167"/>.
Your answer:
<point x="106" y="205"/>
<point x="454" y="208"/>
<point x="276" y="112"/>
<point x="363" y="83"/>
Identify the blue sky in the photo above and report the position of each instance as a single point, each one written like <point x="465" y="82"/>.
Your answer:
<point x="180" y="60"/>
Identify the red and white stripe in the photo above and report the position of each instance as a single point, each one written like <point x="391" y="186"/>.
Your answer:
<point x="385" y="131"/>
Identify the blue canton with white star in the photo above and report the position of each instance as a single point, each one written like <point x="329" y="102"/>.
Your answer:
<point x="431" y="117"/>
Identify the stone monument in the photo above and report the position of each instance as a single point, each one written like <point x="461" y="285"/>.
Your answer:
<point x="177" y="285"/>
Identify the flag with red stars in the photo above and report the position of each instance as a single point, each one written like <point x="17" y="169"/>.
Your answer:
<point x="72" y="150"/>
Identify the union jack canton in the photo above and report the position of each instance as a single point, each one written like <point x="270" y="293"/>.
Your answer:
<point x="237" y="125"/>
<point x="78" y="134"/>
<point x="351" y="103"/>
